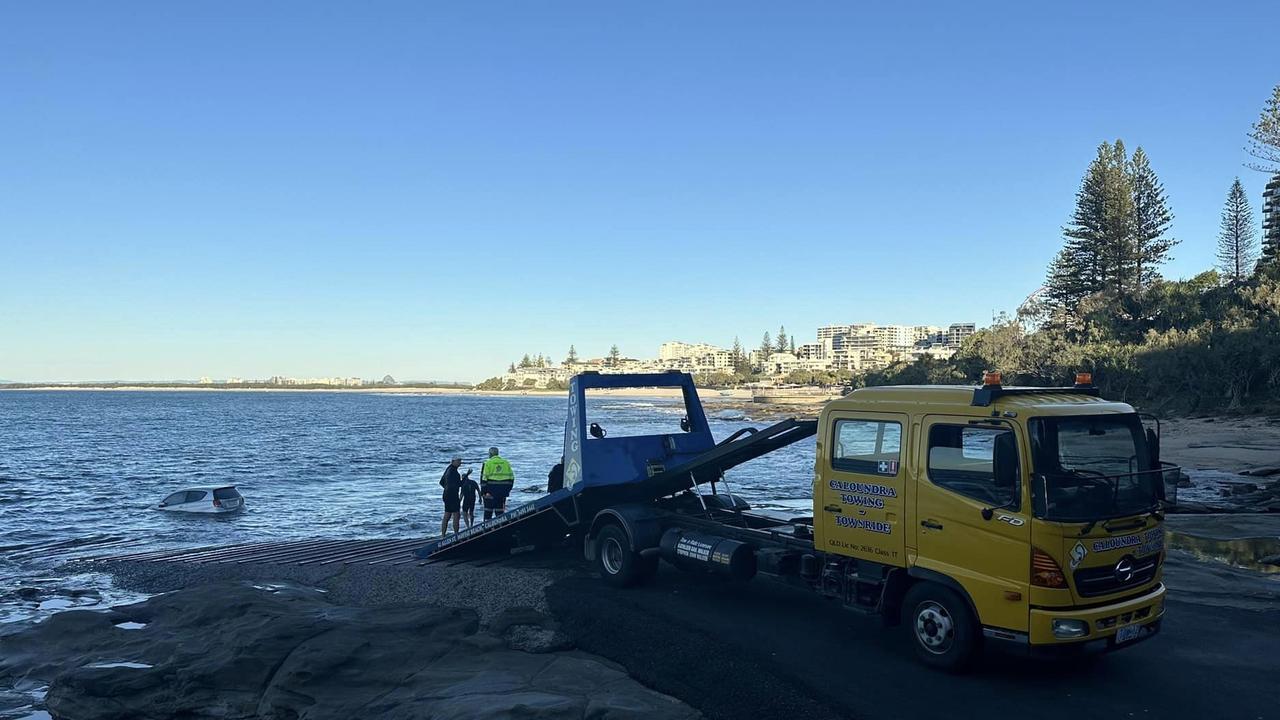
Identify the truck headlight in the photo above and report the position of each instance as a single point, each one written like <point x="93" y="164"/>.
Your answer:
<point x="1069" y="628"/>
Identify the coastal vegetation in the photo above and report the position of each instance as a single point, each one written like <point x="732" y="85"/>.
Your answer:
<point x="1207" y="343"/>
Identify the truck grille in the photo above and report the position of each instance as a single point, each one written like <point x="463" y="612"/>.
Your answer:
<point x="1108" y="579"/>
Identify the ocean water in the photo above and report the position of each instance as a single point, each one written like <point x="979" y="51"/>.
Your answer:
<point x="87" y="464"/>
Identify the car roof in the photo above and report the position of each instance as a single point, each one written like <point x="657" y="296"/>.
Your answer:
<point x="207" y="488"/>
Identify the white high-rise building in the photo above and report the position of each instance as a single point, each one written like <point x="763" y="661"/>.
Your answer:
<point x="676" y="350"/>
<point x="927" y="333"/>
<point x="895" y="336"/>
<point x="813" y="351"/>
<point x="830" y="332"/>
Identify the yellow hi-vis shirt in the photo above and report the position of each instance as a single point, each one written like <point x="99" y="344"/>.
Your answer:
<point x="497" y="470"/>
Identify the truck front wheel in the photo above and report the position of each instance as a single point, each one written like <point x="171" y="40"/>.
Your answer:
<point x="618" y="563"/>
<point x="943" y="630"/>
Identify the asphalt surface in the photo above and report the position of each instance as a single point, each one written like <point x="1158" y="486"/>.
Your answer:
<point x="767" y="650"/>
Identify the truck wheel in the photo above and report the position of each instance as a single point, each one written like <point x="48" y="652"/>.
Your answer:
<point x="619" y="564"/>
<point x="943" y="630"/>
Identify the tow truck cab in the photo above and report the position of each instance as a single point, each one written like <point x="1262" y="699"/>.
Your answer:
<point x="1024" y="515"/>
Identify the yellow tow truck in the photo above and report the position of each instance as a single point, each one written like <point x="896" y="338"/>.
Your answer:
<point x="1027" y="516"/>
<point x="972" y="516"/>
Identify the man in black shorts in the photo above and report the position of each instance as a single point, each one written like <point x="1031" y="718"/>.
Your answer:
<point x="469" y="491"/>
<point x="451" y="481"/>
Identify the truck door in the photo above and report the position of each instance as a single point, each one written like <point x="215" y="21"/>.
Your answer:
<point x="959" y="479"/>
<point x="861" y="482"/>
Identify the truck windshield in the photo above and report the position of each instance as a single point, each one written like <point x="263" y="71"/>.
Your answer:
<point x="1092" y="467"/>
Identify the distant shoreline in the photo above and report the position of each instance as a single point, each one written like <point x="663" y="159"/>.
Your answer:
<point x="233" y="388"/>
<point x="704" y="393"/>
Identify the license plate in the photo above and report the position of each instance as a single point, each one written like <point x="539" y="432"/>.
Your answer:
<point x="1128" y="632"/>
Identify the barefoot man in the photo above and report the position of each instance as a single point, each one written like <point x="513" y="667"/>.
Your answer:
<point x="451" y="481"/>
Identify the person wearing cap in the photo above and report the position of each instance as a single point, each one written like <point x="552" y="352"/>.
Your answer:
<point x="496" y="479"/>
<point x="451" y="481"/>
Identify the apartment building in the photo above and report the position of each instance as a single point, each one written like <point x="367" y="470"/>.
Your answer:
<point x="957" y="332"/>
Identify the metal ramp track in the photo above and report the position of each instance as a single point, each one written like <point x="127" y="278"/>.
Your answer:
<point x="286" y="552"/>
<point x="72" y="549"/>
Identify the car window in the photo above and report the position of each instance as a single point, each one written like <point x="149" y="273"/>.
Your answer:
<point x="961" y="459"/>
<point x="195" y="495"/>
<point x="225" y="494"/>
<point x="175" y="499"/>
<point x="866" y="446"/>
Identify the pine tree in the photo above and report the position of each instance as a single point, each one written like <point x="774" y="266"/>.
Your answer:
<point x="525" y="361"/>
<point x="1237" y="246"/>
<point x="735" y="355"/>
<point x="572" y="357"/>
<point x="1151" y="220"/>
<point x="614" y="356"/>
<point x="1264" y="140"/>
<point x="1098" y="251"/>
<point x="793" y="344"/>
<point x="781" y="342"/>
<point x="511" y="368"/>
<point x="1069" y="278"/>
<point x="766" y="346"/>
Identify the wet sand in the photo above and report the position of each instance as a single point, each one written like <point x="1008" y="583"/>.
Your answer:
<point x="1229" y="444"/>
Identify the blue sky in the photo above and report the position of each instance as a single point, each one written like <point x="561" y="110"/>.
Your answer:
<point x="432" y="189"/>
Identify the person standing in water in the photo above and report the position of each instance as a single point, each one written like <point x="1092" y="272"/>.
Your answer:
<point x="469" y="492"/>
<point x="451" y="481"/>
<point x="496" y="479"/>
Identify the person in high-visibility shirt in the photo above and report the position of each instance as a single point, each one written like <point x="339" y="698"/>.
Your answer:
<point x="496" y="479"/>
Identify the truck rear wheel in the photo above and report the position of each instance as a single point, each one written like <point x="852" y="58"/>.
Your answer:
<point x="943" y="630"/>
<point x="618" y="563"/>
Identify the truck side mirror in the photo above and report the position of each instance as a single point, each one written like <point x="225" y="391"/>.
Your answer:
<point x="1005" y="463"/>
<point x="1153" y="448"/>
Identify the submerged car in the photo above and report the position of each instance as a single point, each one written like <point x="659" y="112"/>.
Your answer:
<point x="221" y="499"/>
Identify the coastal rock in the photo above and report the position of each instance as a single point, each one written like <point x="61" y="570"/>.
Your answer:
<point x="234" y="650"/>
<point x="1263" y="471"/>
<point x="529" y="630"/>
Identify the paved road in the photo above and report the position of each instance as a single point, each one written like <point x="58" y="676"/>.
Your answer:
<point x="766" y="650"/>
